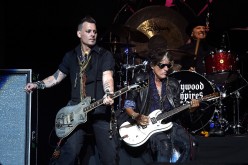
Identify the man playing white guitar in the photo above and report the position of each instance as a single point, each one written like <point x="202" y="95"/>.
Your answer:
<point x="161" y="95"/>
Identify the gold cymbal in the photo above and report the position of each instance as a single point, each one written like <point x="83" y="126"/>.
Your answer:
<point x="136" y="35"/>
<point x="161" y="20"/>
<point x="129" y="33"/>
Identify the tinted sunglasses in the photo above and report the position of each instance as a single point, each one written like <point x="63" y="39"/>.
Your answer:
<point x="161" y="66"/>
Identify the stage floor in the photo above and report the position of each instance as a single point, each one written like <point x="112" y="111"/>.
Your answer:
<point x="229" y="149"/>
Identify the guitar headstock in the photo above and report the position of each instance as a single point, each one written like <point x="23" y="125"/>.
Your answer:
<point x="139" y="85"/>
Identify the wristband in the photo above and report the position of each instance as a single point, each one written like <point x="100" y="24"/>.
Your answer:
<point x="134" y="115"/>
<point x="40" y="85"/>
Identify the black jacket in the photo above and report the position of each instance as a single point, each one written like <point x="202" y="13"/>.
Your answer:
<point x="141" y="96"/>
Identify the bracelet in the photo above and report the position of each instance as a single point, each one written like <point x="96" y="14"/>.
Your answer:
<point x="108" y="93"/>
<point x="134" y="115"/>
<point x="40" y="85"/>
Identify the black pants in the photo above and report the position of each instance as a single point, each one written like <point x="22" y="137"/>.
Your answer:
<point x="106" y="147"/>
<point x="177" y="138"/>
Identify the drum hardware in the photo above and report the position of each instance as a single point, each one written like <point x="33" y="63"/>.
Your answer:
<point x="236" y="123"/>
<point x="119" y="86"/>
<point x="236" y="111"/>
<point x="120" y="44"/>
<point x="218" y="124"/>
<point x="116" y="45"/>
<point x="126" y="66"/>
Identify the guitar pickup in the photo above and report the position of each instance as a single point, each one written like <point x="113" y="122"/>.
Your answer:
<point x="71" y="117"/>
<point x="144" y="126"/>
<point x="153" y="120"/>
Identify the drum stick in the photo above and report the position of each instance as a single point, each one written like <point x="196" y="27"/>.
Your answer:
<point x="197" y="46"/>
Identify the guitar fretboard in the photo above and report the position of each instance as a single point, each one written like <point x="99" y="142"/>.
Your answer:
<point x="100" y="102"/>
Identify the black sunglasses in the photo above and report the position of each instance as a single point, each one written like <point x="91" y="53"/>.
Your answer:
<point x="161" y="66"/>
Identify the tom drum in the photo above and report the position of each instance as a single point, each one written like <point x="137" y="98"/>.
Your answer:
<point x="221" y="66"/>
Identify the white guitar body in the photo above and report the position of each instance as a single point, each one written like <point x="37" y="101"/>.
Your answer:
<point x="136" y="135"/>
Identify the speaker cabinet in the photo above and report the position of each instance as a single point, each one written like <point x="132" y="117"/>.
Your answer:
<point x="15" y="117"/>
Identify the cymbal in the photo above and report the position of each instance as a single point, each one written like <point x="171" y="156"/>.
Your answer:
<point x="129" y="33"/>
<point x="178" y="54"/>
<point x="136" y="35"/>
<point x="161" y="20"/>
<point x="242" y="29"/>
<point x="120" y="44"/>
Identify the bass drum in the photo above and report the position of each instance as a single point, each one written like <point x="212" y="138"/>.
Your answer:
<point x="194" y="86"/>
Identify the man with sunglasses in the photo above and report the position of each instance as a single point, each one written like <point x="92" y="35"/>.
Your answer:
<point x="161" y="93"/>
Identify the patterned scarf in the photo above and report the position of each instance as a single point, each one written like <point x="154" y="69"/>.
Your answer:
<point x="156" y="102"/>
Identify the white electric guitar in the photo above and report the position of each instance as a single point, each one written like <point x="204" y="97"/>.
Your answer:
<point x="135" y="135"/>
<point x="69" y="117"/>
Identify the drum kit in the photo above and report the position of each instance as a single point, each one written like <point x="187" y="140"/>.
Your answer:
<point x="129" y="45"/>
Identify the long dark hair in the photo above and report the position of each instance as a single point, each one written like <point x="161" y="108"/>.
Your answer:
<point x="156" y="56"/>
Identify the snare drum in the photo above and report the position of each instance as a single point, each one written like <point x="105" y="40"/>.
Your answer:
<point x="194" y="86"/>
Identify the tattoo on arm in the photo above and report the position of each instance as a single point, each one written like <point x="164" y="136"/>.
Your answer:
<point x="56" y="74"/>
<point x="106" y="87"/>
<point x="108" y="82"/>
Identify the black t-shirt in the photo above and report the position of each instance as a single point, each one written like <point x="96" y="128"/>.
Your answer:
<point x="204" y="50"/>
<point x="101" y="59"/>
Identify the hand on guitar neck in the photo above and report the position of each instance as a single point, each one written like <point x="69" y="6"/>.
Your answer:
<point x="194" y="104"/>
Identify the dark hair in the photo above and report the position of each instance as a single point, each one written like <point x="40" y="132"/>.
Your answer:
<point x="86" y="19"/>
<point x="198" y="21"/>
<point x="156" y="55"/>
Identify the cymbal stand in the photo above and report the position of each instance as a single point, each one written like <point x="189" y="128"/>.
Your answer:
<point x="218" y="123"/>
<point x="127" y="63"/>
<point x="119" y="106"/>
<point x="133" y="61"/>
<point x="222" y="108"/>
<point x="236" y="123"/>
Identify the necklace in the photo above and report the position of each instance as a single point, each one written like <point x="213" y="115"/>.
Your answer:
<point x="84" y="54"/>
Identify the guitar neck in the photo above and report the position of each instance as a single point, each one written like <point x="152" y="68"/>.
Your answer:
<point x="172" y="112"/>
<point x="100" y="102"/>
<point x="185" y="106"/>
